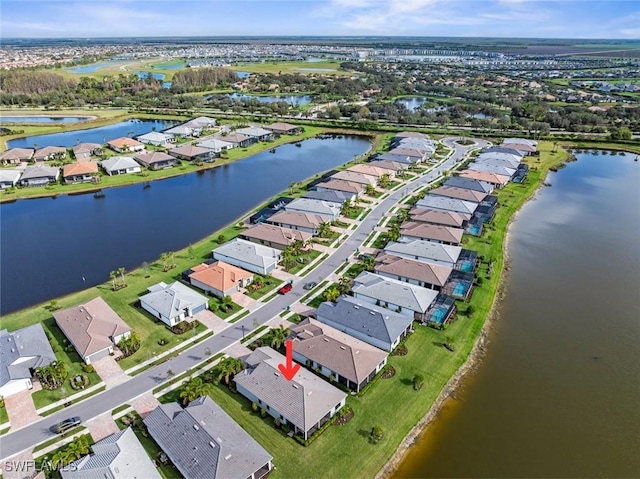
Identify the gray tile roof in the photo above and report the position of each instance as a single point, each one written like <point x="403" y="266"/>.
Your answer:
<point x="215" y="144"/>
<point x="503" y="149"/>
<point x="203" y="442"/>
<point x="119" y="456"/>
<point x="249" y="252"/>
<point x="303" y="401"/>
<point x="469" y="184"/>
<point x="10" y="175"/>
<point x="29" y="344"/>
<point x="40" y="171"/>
<point x="511" y="159"/>
<point x="254" y="131"/>
<point x="424" y="249"/>
<point x="333" y="196"/>
<point x="448" y="204"/>
<point x="375" y="321"/>
<point x="389" y="164"/>
<point x="119" y="163"/>
<point x="409" y="296"/>
<point x="317" y="207"/>
<point x="172" y="300"/>
<point x="349" y="357"/>
<point x="155" y="136"/>
<point x="492" y="167"/>
<point x="200" y="122"/>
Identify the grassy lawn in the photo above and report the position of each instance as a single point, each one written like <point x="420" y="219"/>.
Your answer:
<point x="293" y="67"/>
<point x="354" y="212"/>
<point x="223" y="312"/>
<point x="381" y="241"/>
<point x="270" y="283"/>
<point x="354" y="270"/>
<point x="4" y="417"/>
<point x="167" y="471"/>
<point x="303" y="260"/>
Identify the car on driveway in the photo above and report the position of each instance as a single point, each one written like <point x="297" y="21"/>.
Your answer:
<point x="309" y="286"/>
<point x="285" y="289"/>
<point x="365" y="256"/>
<point x="64" y="426"/>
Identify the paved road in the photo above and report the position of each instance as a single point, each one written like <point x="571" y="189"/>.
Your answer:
<point x="108" y="400"/>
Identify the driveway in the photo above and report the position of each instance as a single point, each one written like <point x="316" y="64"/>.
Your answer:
<point x="110" y="371"/>
<point x="211" y="321"/>
<point x="102" y="426"/>
<point x="20" y="409"/>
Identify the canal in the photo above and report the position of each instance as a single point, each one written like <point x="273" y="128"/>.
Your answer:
<point x="558" y="391"/>
<point x="52" y="247"/>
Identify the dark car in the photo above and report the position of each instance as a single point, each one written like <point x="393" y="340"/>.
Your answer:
<point x="310" y="286"/>
<point x="285" y="289"/>
<point x="365" y="256"/>
<point x="64" y="426"/>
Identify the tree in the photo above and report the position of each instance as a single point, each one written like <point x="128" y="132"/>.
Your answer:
<point x="331" y="294"/>
<point x="52" y="376"/>
<point x="130" y="344"/>
<point x="324" y="230"/>
<point x="220" y="239"/>
<point x="164" y="257"/>
<point x="394" y="232"/>
<point x="112" y="276"/>
<point x="296" y="246"/>
<point x="121" y="272"/>
<point x="370" y="190"/>
<point x="384" y="180"/>
<point x="402" y="214"/>
<point x="278" y="337"/>
<point x="376" y="435"/>
<point x="227" y="303"/>
<point x="344" y="284"/>
<point x="346" y="207"/>
<point x="193" y="389"/>
<point x="172" y="259"/>
<point x="449" y="342"/>
<point x="190" y="251"/>
<point x="368" y="262"/>
<point x="418" y="381"/>
<point x="287" y="258"/>
<point x="229" y="367"/>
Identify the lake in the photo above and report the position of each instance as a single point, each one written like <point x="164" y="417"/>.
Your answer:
<point x="93" y="135"/>
<point x="290" y="99"/>
<point x="92" y="68"/>
<point x="42" y="119"/>
<point x="155" y="76"/>
<point x="557" y="393"/>
<point x="171" y="66"/>
<point x="49" y="245"/>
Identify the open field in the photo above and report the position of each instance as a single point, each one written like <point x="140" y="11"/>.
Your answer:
<point x="333" y="67"/>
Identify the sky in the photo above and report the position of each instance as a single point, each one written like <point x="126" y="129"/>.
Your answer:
<point x="617" y="19"/>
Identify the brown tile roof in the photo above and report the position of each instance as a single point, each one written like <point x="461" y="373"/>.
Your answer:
<point x="281" y="127"/>
<point x="459" y="193"/>
<point x="81" y="168"/>
<point x="190" y="151"/>
<point x="275" y="234"/>
<point x="391" y="165"/>
<point x="305" y="220"/>
<point x="338" y="351"/>
<point x="90" y="326"/>
<point x="86" y="148"/>
<point x="427" y="272"/>
<point x="412" y="134"/>
<point x="155" y="157"/>
<point x="43" y="153"/>
<point x="406" y="152"/>
<point x="367" y="169"/>
<point x="233" y="138"/>
<point x="432" y="232"/>
<point x="124" y="142"/>
<point x="342" y="185"/>
<point x="485" y="176"/>
<point x="219" y="275"/>
<point x="441" y="217"/>
<point x="353" y="177"/>
<point x="17" y="154"/>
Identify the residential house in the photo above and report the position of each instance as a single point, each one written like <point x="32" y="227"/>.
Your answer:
<point x="15" y="156"/>
<point x="183" y="131"/>
<point x="435" y="233"/>
<point x="259" y="134"/>
<point x="447" y="204"/>
<point x="413" y="271"/>
<point x="353" y="177"/>
<point x="284" y="128"/>
<point x="93" y="328"/>
<point x="527" y="149"/>
<point x="125" y="145"/>
<point x="157" y="138"/>
<point x="332" y="196"/>
<point x="354" y="189"/>
<point x="274" y="236"/>
<point x="84" y="151"/>
<point x="115" y="456"/>
<point x="306" y="222"/>
<point x="173" y="303"/>
<point x="305" y="403"/>
<point x="407" y="299"/>
<point x="426" y="147"/>
<point x="415" y="156"/>
<point x="39" y="175"/>
<point x="505" y="149"/>
<point x="435" y="253"/>
<point x="396" y="158"/>
<point x="328" y="211"/>
<point x="439" y="217"/>
<point x="469" y="184"/>
<point x="192" y="153"/>
<point x="9" y="178"/>
<point x="156" y="160"/>
<point x="203" y="442"/>
<point x="21" y="352"/>
<point x="516" y="142"/>
<point x="372" y="170"/>
<point x="495" y="179"/>
<point x="50" y="153"/>
<point x="120" y="165"/>
<point x="216" y="145"/>
<point x="237" y="140"/>
<point x="201" y="123"/>
<point x="80" y="172"/>
<point x="389" y="165"/>
<point x="505" y="159"/>
<point x="412" y="134"/>
<point x="218" y="278"/>
<point x="492" y="167"/>
<point x="372" y="324"/>
<point x="247" y="255"/>
<point x="336" y="355"/>
<point x="464" y="194"/>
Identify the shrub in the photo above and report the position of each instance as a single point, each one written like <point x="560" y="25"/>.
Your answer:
<point x="88" y="368"/>
<point x="263" y="412"/>
<point x="418" y="382"/>
<point x="277" y="422"/>
<point x="376" y="435"/>
<point x="254" y="407"/>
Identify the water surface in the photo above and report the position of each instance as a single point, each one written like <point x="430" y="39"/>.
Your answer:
<point x="42" y="119"/>
<point x="290" y="99"/>
<point x="557" y="394"/>
<point x="92" y="68"/>
<point x="51" y="247"/>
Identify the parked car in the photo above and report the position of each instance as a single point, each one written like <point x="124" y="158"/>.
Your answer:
<point x="285" y="289"/>
<point x="365" y="256"/>
<point x="309" y="286"/>
<point x="64" y="426"/>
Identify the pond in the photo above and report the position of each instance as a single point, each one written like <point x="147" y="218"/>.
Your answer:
<point x="92" y="68"/>
<point x="290" y="99"/>
<point x="93" y="135"/>
<point x="170" y="66"/>
<point x="155" y="76"/>
<point x="43" y="119"/>
<point x="51" y="247"/>
<point x="242" y="75"/>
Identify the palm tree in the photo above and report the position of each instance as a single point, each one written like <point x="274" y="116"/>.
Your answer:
<point x="193" y="389"/>
<point x="332" y="294"/>
<point x="324" y="230"/>
<point x="76" y="449"/>
<point x="402" y="214"/>
<point x="368" y="262"/>
<point x="227" y="302"/>
<point x="287" y="258"/>
<point x="370" y="190"/>
<point x="164" y="258"/>
<point x="346" y="207"/>
<point x="112" y="277"/>
<point x="229" y="367"/>
<point x="394" y="233"/>
<point x="344" y="284"/>
<point x="278" y="337"/>
<point x="121" y="272"/>
<point x="172" y="259"/>
<point x="296" y="246"/>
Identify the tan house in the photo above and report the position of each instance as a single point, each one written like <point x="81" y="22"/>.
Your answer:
<point x="93" y="328"/>
<point x="426" y="275"/>
<point x="156" y="160"/>
<point x="459" y="193"/>
<point x="84" y="151"/>
<point x="125" y="145"/>
<point x="284" y="128"/>
<point x="15" y="156"/>
<point x="494" y="179"/>
<point x="50" y="153"/>
<point x="274" y="236"/>
<point x="371" y="170"/>
<point x="219" y="278"/>
<point x="81" y="172"/>
<point x="354" y="177"/>
<point x="356" y="189"/>
<point x="305" y="222"/>
<point x="435" y="233"/>
<point x="438" y="217"/>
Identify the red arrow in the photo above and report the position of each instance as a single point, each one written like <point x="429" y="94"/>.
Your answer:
<point x="289" y="370"/>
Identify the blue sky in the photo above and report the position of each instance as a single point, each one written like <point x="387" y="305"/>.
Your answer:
<point x="484" y="18"/>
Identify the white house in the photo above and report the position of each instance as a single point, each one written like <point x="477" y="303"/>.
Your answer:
<point x="120" y="165"/>
<point x="156" y="138"/>
<point x="247" y="255"/>
<point x="173" y="303"/>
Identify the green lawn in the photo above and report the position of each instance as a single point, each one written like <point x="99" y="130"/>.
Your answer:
<point x="215" y="304"/>
<point x="270" y="283"/>
<point x="303" y="260"/>
<point x="293" y="67"/>
<point x="354" y="212"/>
<point x="4" y="417"/>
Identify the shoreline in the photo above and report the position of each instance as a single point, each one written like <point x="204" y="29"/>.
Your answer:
<point x="471" y="362"/>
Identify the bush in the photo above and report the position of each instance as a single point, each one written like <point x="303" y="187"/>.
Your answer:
<point x="376" y="435"/>
<point x="418" y="382"/>
<point x="88" y="368"/>
<point x="254" y="407"/>
<point x="277" y="422"/>
<point x="263" y="412"/>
